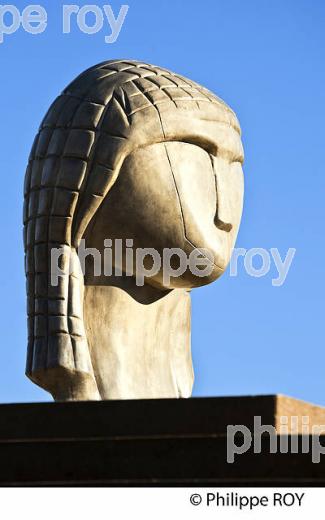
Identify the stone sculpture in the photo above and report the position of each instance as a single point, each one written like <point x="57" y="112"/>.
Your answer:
<point x="129" y="154"/>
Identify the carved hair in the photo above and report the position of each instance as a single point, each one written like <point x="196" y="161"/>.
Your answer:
<point x="101" y="117"/>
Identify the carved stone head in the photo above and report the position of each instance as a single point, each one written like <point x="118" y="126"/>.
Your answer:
<point x="128" y="152"/>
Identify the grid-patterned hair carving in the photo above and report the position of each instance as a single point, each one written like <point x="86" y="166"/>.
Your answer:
<point x="102" y="116"/>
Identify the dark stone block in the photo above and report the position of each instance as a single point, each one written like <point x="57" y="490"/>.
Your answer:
<point x="162" y="442"/>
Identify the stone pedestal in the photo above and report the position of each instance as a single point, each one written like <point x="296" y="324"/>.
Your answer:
<point x="162" y="442"/>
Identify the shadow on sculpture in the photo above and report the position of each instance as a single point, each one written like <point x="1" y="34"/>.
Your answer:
<point x="130" y="158"/>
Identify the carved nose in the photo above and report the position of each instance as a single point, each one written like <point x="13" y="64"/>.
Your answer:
<point x="224" y="226"/>
<point x="222" y="191"/>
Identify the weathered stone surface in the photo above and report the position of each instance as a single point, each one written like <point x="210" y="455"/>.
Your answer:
<point x="128" y="151"/>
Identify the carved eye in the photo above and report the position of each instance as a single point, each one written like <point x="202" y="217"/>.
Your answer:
<point x="207" y="146"/>
<point x="239" y="159"/>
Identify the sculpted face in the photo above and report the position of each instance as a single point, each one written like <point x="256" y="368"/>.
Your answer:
<point x="177" y="195"/>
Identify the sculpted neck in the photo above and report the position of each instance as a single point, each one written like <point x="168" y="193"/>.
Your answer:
<point x="139" y="340"/>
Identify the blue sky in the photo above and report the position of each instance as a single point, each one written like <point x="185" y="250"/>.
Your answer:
<point x="266" y="59"/>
